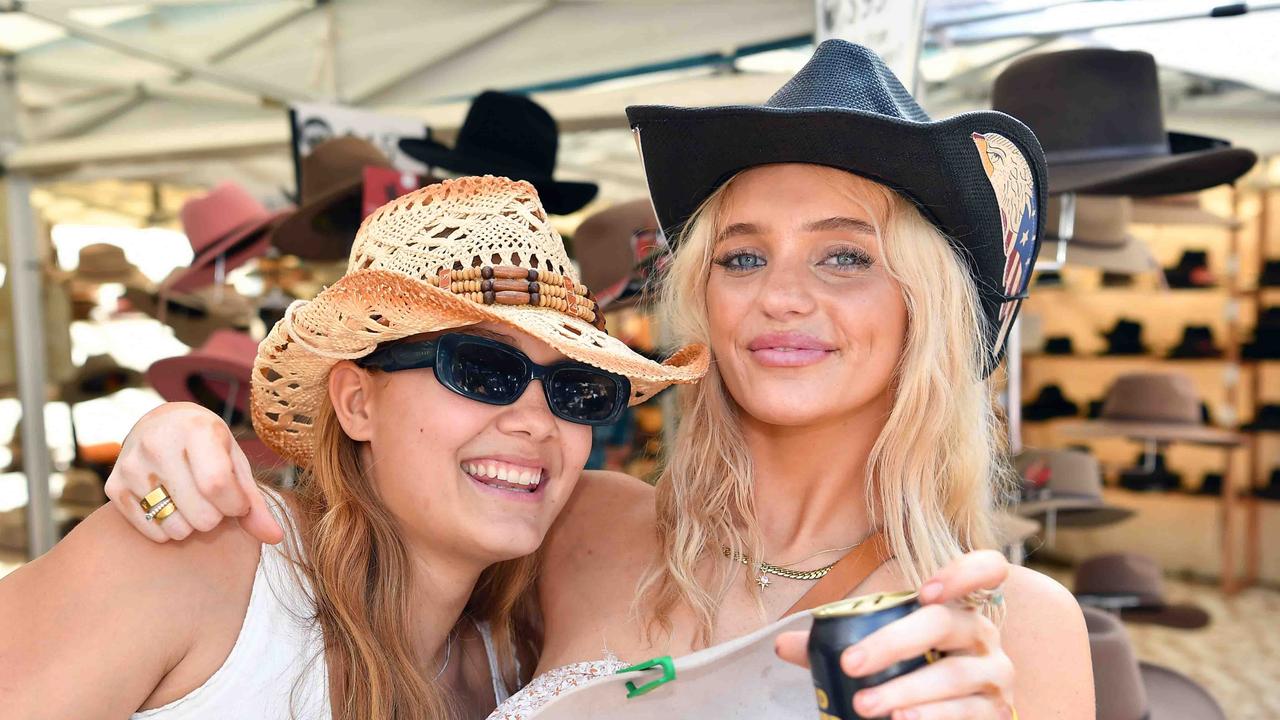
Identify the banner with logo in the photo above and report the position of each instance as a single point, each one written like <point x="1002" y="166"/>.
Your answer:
<point x="892" y="28"/>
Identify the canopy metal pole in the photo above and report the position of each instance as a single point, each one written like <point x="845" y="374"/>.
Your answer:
<point x="28" y="324"/>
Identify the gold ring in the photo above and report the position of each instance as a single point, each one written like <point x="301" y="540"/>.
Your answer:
<point x="157" y="504"/>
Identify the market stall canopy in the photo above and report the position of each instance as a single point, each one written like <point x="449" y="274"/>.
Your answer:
<point x="193" y="91"/>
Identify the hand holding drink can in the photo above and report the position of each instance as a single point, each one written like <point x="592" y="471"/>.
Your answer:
<point x="838" y="625"/>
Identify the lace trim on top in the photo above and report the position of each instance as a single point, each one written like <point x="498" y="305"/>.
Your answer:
<point x="542" y="689"/>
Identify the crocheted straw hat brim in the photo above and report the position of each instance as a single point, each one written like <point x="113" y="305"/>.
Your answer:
<point x="393" y="290"/>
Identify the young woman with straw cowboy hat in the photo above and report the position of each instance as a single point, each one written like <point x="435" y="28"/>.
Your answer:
<point x="855" y="267"/>
<point x="434" y="465"/>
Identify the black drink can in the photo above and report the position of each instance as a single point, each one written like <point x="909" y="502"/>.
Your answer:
<point x="840" y="624"/>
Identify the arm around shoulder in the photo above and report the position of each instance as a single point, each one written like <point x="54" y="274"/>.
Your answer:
<point x="99" y="626"/>
<point x="1044" y="635"/>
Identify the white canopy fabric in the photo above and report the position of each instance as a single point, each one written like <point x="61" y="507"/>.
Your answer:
<point x="182" y="90"/>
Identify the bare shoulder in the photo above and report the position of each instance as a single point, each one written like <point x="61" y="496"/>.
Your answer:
<point x="591" y="564"/>
<point x="606" y="507"/>
<point x="113" y="609"/>
<point x="1043" y="633"/>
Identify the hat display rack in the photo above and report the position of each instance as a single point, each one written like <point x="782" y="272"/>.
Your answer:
<point x="1196" y="314"/>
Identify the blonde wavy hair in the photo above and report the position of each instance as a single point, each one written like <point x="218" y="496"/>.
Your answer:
<point x="346" y="544"/>
<point x="934" y="473"/>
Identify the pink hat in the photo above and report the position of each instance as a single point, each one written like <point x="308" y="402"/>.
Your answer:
<point x="228" y="222"/>
<point x="211" y="376"/>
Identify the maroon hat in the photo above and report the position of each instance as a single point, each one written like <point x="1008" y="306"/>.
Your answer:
<point x="1133" y="585"/>
<point x="215" y="375"/>
<point x="229" y="223"/>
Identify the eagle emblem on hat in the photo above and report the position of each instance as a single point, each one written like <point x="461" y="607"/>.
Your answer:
<point x="1014" y="185"/>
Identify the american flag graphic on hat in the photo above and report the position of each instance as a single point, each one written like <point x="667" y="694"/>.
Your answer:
<point x="1014" y="185"/>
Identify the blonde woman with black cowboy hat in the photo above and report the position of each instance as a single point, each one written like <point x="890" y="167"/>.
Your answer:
<point x="855" y="267"/>
<point x="440" y="397"/>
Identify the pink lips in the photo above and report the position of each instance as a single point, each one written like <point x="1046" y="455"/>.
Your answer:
<point x="789" y="349"/>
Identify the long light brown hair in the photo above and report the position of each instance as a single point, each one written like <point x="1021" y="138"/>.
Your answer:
<point x="359" y="572"/>
<point x="933" y="473"/>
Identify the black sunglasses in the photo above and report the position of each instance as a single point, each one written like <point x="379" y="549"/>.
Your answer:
<point x="496" y="373"/>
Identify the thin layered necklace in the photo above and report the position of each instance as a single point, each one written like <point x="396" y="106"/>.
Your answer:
<point x="765" y="569"/>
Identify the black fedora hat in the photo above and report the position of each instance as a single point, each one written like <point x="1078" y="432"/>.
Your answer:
<point x="1270" y="276"/>
<point x="1097" y="113"/>
<point x="1266" y="336"/>
<point x="1197" y="342"/>
<point x="1125" y="338"/>
<point x="1192" y="271"/>
<point x="979" y="177"/>
<point x="1267" y="419"/>
<point x="1049" y="404"/>
<point x="1272" y="489"/>
<point x="512" y="136"/>
<point x="1150" y="474"/>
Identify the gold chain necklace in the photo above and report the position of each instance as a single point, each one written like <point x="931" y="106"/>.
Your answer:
<point x="766" y="569"/>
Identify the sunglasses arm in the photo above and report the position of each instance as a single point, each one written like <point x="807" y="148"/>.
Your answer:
<point x="401" y="356"/>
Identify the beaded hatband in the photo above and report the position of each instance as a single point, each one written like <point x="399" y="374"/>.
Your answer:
<point x="510" y="285"/>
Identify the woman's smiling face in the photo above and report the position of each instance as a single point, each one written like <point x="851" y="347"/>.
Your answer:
<point x="806" y="323"/>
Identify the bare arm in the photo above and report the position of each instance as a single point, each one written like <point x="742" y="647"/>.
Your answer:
<point x="1045" y="637"/>
<point x="109" y="622"/>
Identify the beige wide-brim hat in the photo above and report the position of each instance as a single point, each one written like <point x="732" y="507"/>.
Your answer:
<point x="1184" y="209"/>
<point x="1101" y="237"/>
<point x="460" y="252"/>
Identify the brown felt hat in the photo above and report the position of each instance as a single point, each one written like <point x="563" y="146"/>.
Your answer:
<point x="1133" y="585"/>
<point x="1097" y="114"/>
<point x="1127" y="689"/>
<point x="330" y="199"/>
<point x="1153" y="406"/>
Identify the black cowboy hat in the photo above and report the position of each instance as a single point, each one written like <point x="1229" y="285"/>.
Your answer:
<point x="511" y="136"/>
<point x="1097" y="113"/>
<point x="979" y="177"/>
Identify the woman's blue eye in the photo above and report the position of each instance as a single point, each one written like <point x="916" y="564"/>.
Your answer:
<point x="741" y="261"/>
<point x="848" y="259"/>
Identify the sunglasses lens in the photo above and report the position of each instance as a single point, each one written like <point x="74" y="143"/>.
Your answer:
<point x="487" y="374"/>
<point x="584" y="395"/>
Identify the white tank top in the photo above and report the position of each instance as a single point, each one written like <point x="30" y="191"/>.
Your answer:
<point x="276" y="670"/>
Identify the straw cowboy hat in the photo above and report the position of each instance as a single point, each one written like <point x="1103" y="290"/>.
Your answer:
<point x="980" y="177"/>
<point x="1153" y="406"/>
<point x="508" y="135"/>
<point x="1066" y="481"/>
<point x="452" y="254"/>
<point x="1101" y="236"/>
<point x="1133" y="585"/>
<point x="1100" y="122"/>
<point x="226" y="223"/>
<point x="1127" y="689"/>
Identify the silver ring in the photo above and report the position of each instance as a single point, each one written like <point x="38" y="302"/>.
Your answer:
<point x="157" y="508"/>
